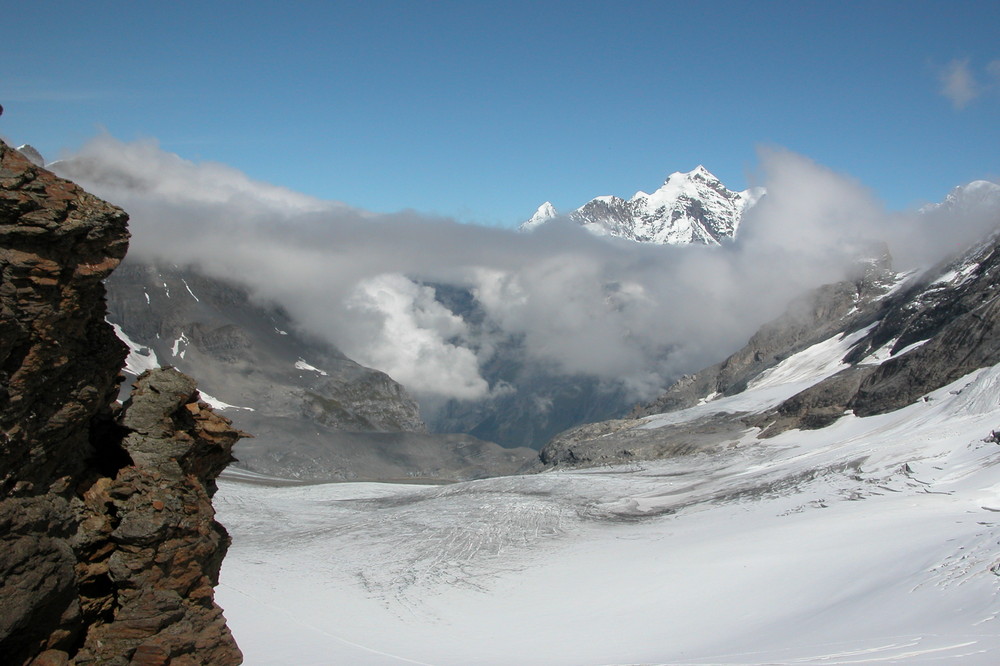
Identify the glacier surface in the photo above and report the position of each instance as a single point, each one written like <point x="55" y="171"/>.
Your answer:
<point x="874" y="540"/>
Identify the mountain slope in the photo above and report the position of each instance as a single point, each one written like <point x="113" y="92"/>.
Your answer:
<point x="871" y="541"/>
<point x="689" y="208"/>
<point x="882" y="342"/>
<point x="314" y="413"/>
<point x="708" y="534"/>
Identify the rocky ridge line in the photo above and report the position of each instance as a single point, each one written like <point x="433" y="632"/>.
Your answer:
<point x="689" y="208"/>
<point x="108" y="545"/>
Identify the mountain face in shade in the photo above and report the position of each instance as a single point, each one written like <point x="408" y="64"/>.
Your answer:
<point x="870" y="345"/>
<point x="315" y="414"/>
<point x="689" y="208"/>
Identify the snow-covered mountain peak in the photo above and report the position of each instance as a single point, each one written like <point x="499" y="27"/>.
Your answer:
<point x="544" y="213"/>
<point x="696" y="184"/>
<point x="698" y="173"/>
<point x="976" y="191"/>
<point x="691" y="207"/>
<point x="979" y="194"/>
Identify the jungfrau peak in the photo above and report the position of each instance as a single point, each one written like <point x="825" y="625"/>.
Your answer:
<point x="689" y="208"/>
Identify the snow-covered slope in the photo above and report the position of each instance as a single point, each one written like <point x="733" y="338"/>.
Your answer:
<point x="872" y="541"/>
<point x="544" y="213"/>
<point x="979" y="194"/>
<point x="873" y="538"/>
<point x="693" y="207"/>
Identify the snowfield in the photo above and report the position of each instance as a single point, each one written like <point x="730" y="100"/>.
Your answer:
<point x="872" y="541"/>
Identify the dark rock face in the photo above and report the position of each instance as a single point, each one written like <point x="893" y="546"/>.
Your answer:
<point x="59" y="361"/>
<point x="958" y="317"/>
<point x="152" y="538"/>
<point x="952" y="312"/>
<point x="108" y="547"/>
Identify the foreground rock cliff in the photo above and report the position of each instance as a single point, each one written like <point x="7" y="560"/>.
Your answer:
<point x="108" y="545"/>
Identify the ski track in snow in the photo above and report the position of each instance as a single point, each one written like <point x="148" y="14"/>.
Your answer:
<point x="874" y="540"/>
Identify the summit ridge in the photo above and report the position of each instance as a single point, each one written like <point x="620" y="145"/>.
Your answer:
<point x="689" y="208"/>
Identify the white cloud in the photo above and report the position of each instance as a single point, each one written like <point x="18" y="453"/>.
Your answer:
<point x="399" y="328"/>
<point x="624" y="312"/>
<point x="959" y="84"/>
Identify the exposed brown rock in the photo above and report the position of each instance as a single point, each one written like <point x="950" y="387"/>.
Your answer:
<point x="157" y="543"/>
<point x="108" y="546"/>
<point x="59" y="360"/>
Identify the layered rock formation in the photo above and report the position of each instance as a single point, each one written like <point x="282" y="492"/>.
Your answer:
<point x="109" y="546"/>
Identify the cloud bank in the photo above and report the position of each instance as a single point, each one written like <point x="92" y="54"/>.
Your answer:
<point x="633" y="314"/>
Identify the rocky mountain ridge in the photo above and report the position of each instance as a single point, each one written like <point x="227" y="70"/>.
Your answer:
<point x="689" y="208"/>
<point x="110" y="550"/>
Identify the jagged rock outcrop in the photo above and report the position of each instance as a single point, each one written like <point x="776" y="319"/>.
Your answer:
<point x="58" y="359"/>
<point x="108" y="547"/>
<point x="153" y="549"/>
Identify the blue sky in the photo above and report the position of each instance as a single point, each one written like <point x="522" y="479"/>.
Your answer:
<point x="482" y="110"/>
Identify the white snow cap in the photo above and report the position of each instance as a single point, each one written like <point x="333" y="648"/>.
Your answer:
<point x="699" y="172"/>
<point x="544" y="213"/>
<point x="689" y="208"/>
